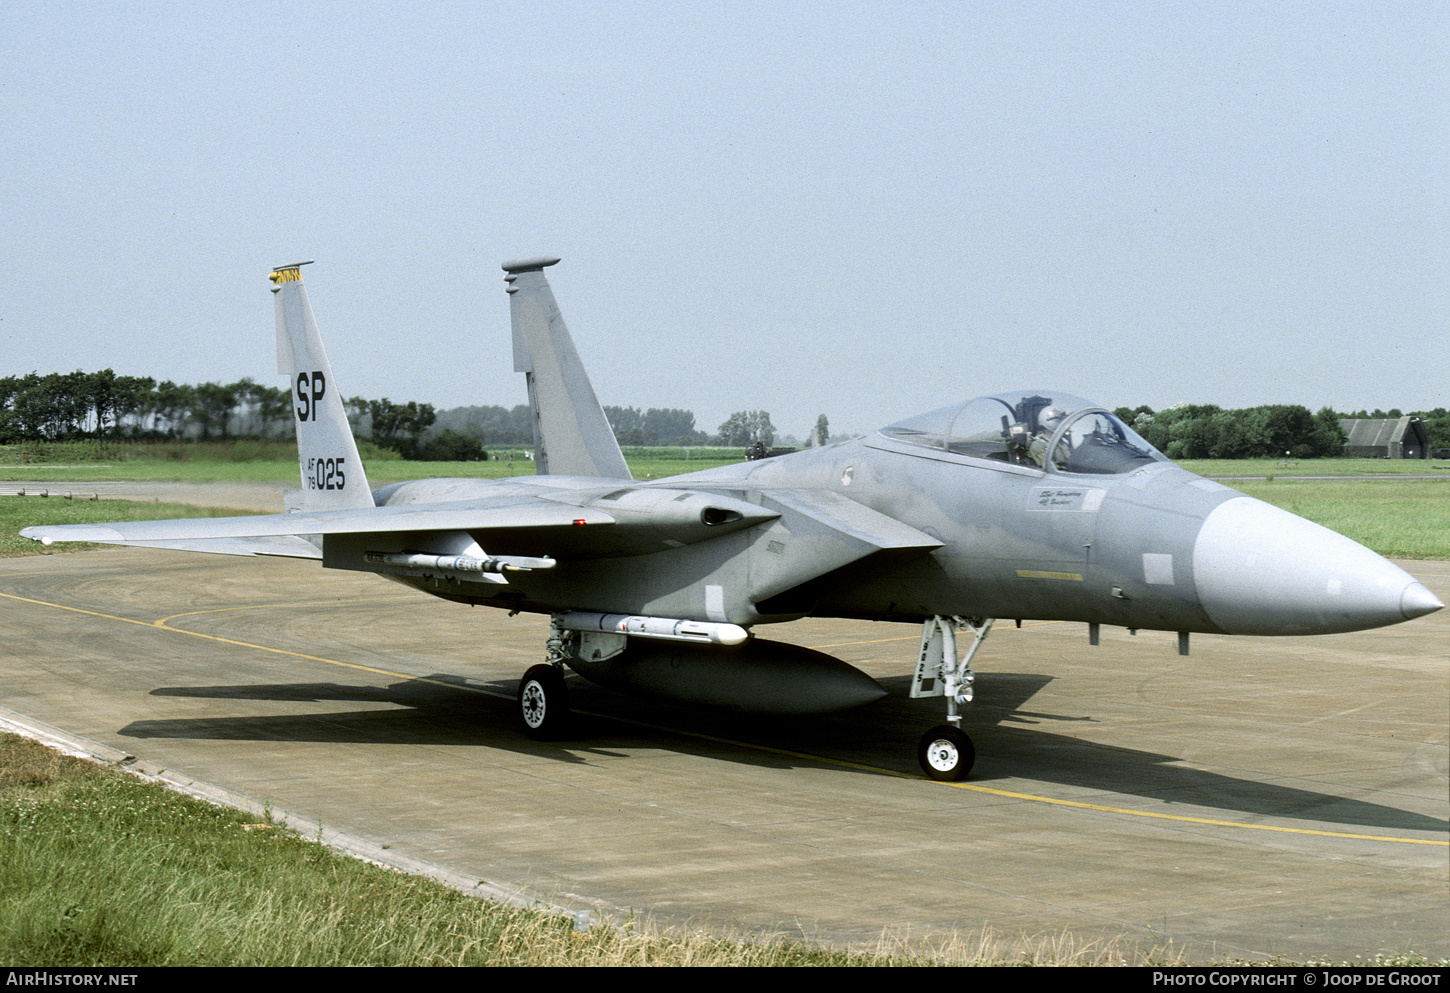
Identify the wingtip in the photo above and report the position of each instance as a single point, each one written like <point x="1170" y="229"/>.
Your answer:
<point x="533" y="262"/>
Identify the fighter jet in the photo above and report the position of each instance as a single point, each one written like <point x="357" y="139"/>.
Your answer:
<point x="1031" y="504"/>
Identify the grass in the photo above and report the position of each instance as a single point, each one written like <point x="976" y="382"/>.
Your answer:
<point x="274" y="469"/>
<point x="1399" y="518"/>
<point x="98" y="868"/>
<point x="642" y="467"/>
<point x="1315" y="467"/>
<point x="276" y="461"/>
<point x="21" y="512"/>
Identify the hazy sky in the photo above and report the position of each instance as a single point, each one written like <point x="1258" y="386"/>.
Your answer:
<point x="865" y="210"/>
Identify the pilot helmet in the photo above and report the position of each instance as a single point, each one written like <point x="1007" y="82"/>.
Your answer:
<point x="1050" y="418"/>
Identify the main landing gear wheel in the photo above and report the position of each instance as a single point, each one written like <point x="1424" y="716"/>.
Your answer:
<point x="543" y="702"/>
<point x="946" y="754"/>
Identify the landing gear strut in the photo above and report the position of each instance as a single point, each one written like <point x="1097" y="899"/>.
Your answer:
<point x="945" y="752"/>
<point x="543" y="697"/>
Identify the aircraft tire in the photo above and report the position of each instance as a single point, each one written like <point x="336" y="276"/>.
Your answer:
<point x="946" y="754"/>
<point x="543" y="703"/>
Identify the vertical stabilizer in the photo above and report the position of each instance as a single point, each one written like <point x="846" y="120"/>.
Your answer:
<point x="332" y="472"/>
<point x="572" y="437"/>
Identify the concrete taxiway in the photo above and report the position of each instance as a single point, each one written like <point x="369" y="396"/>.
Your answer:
<point x="1258" y="798"/>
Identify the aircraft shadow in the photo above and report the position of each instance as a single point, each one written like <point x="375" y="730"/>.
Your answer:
<point x="1011" y="741"/>
<point x="437" y="710"/>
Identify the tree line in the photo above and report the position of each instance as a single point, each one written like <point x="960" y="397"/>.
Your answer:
<point x="1206" y="431"/>
<point x="103" y="405"/>
<point x="504" y="426"/>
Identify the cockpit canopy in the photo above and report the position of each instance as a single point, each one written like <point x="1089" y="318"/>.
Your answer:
<point x="1052" y="431"/>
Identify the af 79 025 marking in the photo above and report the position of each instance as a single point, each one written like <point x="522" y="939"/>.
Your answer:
<point x="325" y="474"/>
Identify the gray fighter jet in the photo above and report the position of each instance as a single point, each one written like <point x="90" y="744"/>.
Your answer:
<point x="1031" y="504"/>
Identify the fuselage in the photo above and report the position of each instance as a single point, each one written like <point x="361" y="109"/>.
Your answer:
<point x="1156" y="547"/>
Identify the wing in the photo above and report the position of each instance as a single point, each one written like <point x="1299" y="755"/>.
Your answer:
<point x="283" y="534"/>
<point x="514" y="518"/>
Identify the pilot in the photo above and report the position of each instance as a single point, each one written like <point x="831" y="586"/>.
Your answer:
<point x="1047" y="423"/>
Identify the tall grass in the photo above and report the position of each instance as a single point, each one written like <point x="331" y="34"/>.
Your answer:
<point x="97" y="868"/>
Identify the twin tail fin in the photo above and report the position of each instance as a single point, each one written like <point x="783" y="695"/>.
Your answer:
<point x="572" y="437"/>
<point x="331" y="469"/>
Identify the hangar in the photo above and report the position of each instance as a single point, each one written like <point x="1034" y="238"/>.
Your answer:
<point x="1387" y="438"/>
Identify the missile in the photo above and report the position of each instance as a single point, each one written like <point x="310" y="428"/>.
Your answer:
<point x="456" y="563"/>
<point x="656" y="628"/>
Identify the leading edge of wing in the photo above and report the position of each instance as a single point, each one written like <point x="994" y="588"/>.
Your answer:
<point x="278" y="545"/>
<point x="464" y="515"/>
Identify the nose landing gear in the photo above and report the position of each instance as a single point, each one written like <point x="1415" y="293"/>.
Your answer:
<point x="946" y="752"/>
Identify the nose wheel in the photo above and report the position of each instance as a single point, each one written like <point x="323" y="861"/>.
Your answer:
<point x="946" y="754"/>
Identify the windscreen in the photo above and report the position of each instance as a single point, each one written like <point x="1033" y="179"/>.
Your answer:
<point x="1056" y="432"/>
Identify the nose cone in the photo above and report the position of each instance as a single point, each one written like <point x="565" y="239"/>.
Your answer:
<point x="1419" y="601"/>
<point x="1262" y="570"/>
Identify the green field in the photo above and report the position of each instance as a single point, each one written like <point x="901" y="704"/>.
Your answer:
<point x="1399" y="518"/>
<point x="284" y="470"/>
<point x="1279" y="468"/>
<point x="22" y="512"/>
<point x="275" y="461"/>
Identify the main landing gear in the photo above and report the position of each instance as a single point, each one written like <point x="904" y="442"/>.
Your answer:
<point x="543" y="697"/>
<point x="543" y="702"/>
<point x="946" y="752"/>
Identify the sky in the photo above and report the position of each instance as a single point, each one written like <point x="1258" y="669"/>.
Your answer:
<point x="862" y="210"/>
